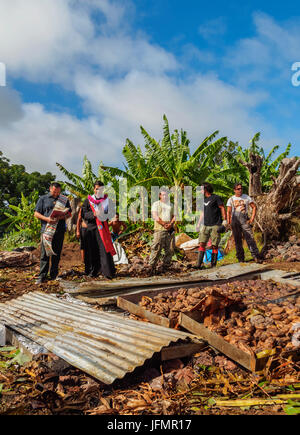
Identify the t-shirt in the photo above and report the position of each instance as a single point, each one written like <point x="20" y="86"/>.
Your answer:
<point x="164" y="211"/>
<point x="45" y="206"/>
<point x="240" y="204"/>
<point x="212" y="212"/>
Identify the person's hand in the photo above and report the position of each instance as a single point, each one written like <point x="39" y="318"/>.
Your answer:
<point x="50" y="220"/>
<point x="78" y="234"/>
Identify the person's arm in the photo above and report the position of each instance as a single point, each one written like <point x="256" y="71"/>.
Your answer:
<point x="169" y="225"/>
<point x="39" y="212"/>
<point x="200" y="221"/>
<point x="254" y="208"/>
<point x="158" y="219"/>
<point x="40" y="216"/>
<point x="229" y="211"/>
<point x="122" y="228"/>
<point x="78" y="224"/>
<point x="223" y="212"/>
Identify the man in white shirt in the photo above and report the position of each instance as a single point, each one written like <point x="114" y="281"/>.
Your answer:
<point x="237" y="216"/>
<point x="164" y="233"/>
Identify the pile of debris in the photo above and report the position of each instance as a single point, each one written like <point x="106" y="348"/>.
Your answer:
<point x="287" y="251"/>
<point x="140" y="267"/>
<point x="237" y="311"/>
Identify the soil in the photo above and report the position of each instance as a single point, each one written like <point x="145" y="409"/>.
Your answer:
<point x="34" y="389"/>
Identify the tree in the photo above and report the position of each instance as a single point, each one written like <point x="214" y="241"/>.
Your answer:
<point x="22" y="218"/>
<point x="15" y="181"/>
<point x="252" y="167"/>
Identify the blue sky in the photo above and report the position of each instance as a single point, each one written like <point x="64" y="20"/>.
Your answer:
<point x="83" y="75"/>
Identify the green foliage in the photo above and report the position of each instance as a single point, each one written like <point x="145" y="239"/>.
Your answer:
<point x="15" y="181"/>
<point x="232" y="170"/>
<point x="14" y="239"/>
<point x="22" y="216"/>
<point x="293" y="408"/>
<point x="82" y="186"/>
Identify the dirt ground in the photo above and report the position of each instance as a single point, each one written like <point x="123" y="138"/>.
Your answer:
<point x="183" y="387"/>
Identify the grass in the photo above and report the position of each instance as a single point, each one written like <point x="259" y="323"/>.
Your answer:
<point x="230" y="257"/>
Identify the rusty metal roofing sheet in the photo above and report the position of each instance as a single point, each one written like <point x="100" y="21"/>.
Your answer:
<point x="107" y="346"/>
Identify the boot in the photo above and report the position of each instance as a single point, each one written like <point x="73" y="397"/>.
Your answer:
<point x="200" y="259"/>
<point x="214" y="259"/>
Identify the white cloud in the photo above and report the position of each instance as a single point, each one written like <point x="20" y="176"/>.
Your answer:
<point x="213" y="28"/>
<point x="266" y="58"/>
<point x="40" y="139"/>
<point x="123" y="79"/>
<point x="38" y="38"/>
<point x="10" y="106"/>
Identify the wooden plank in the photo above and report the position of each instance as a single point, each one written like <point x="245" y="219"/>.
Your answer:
<point x="243" y="358"/>
<point x="228" y="272"/>
<point x="181" y="350"/>
<point x="141" y="312"/>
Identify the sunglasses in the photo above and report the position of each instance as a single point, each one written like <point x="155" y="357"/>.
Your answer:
<point x="239" y="188"/>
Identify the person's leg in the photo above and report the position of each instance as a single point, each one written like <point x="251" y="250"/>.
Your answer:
<point x="82" y="233"/>
<point x="248" y="234"/>
<point x="57" y="244"/>
<point x="155" y="249"/>
<point x="203" y="239"/>
<point x="215" y="240"/>
<point x="168" y="246"/>
<point x="91" y="253"/>
<point x="44" y="263"/>
<point x="107" y="266"/>
<point x="238" y="240"/>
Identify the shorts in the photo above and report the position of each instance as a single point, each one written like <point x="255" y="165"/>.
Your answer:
<point x="207" y="233"/>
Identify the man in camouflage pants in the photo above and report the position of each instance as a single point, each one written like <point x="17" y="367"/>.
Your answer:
<point x="237" y="217"/>
<point x="164" y="234"/>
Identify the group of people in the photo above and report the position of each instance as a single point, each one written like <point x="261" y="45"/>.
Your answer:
<point x="97" y="241"/>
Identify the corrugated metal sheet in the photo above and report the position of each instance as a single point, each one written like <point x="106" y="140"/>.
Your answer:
<point x="104" y="345"/>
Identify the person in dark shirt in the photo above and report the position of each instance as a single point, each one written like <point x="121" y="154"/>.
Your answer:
<point x="211" y="221"/>
<point x="43" y="210"/>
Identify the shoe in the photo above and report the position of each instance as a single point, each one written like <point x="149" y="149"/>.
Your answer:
<point x="200" y="260"/>
<point x="257" y="260"/>
<point x="214" y="260"/>
<point x="39" y="280"/>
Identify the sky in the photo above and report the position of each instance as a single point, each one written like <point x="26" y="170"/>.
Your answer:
<point x="82" y="76"/>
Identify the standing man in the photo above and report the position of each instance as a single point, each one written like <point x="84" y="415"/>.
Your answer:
<point x="237" y="217"/>
<point x="54" y="227"/>
<point x="98" y="246"/>
<point x="164" y="233"/>
<point x="213" y="213"/>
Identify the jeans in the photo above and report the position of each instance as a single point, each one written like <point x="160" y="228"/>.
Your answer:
<point x="57" y="244"/>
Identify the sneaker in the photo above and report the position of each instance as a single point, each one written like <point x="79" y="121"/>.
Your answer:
<point x="39" y="280"/>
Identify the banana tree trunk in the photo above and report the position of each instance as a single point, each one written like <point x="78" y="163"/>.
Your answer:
<point x="254" y="168"/>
